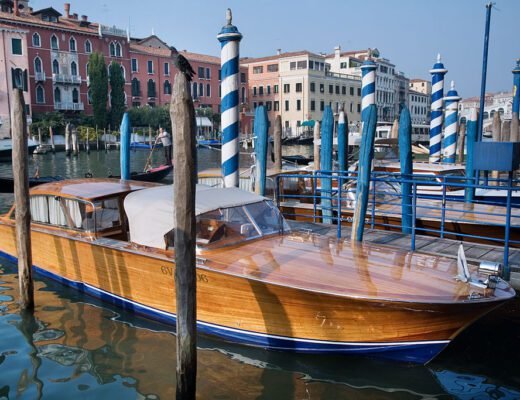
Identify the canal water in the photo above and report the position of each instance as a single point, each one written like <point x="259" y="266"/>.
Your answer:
<point x="75" y="347"/>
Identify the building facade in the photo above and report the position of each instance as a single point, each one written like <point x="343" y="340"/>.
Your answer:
<point x="501" y="103"/>
<point x="421" y="85"/>
<point x="419" y="105"/>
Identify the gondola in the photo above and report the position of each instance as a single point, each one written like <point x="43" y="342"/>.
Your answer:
<point x="298" y="159"/>
<point x="152" y="175"/>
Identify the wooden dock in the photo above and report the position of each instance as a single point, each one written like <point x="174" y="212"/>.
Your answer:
<point x="431" y="245"/>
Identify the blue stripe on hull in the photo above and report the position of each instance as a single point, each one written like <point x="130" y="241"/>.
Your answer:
<point x="416" y="352"/>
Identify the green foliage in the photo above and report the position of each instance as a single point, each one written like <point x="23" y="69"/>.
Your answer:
<point x="82" y="133"/>
<point x="117" y="94"/>
<point x="99" y="88"/>
<point x="44" y="121"/>
<point x="151" y="116"/>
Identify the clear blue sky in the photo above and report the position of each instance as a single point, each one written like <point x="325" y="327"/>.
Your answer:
<point x="408" y="32"/>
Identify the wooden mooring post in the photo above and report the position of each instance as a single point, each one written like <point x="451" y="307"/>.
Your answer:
<point x="405" y="157"/>
<point x="182" y="114"/>
<point x="462" y="141"/>
<point x="262" y="140"/>
<point x="277" y="142"/>
<point x="67" y="139"/>
<point x="316" y="146"/>
<point x="125" y="147"/>
<point x="21" y="196"/>
<point x="342" y="141"/>
<point x="51" y="135"/>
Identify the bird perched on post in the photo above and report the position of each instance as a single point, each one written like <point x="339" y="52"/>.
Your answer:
<point x="182" y="64"/>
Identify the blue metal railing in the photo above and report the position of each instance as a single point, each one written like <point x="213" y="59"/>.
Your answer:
<point x="437" y="209"/>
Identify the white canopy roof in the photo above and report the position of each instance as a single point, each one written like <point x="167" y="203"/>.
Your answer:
<point x="150" y="212"/>
<point x="203" y="121"/>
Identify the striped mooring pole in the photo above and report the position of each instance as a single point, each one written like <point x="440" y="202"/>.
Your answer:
<point x="368" y="86"/>
<point x="451" y="125"/>
<point x="229" y="38"/>
<point x="438" y="71"/>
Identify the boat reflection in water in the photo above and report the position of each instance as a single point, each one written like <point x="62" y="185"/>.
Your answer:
<point x="75" y="349"/>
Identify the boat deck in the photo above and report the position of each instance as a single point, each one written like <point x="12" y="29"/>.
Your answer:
<point x="431" y="245"/>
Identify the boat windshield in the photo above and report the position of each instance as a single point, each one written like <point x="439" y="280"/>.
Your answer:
<point x="236" y="224"/>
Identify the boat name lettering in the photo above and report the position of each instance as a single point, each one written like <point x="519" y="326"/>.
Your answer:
<point x="169" y="271"/>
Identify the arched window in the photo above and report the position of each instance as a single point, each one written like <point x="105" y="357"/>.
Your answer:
<point x="36" y="40"/>
<point x="57" y="95"/>
<point x="492" y="114"/>
<point x="38" y="65"/>
<point x="88" y="46"/>
<point x="201" y="89"/>
<point x="243" y="94"/>
<point x="86" y="69"/>
<point x="55" y="67"/>
<point x="167" y="87"/>
<point x="40" y="95"/>
<point x="75" y="96"/>
<point x="54" y="43"/>
<point x="72" y="44"/>
<point x="123" y="71"/>
<point x="112" y="49"/>
<point x="194" y="91"/>
<point x="73" y="68"/>
<point x="119" y="52"/>
<point x="151" y="88"/>
<point x="136" y="87"/>
<point x="501" y="111"/>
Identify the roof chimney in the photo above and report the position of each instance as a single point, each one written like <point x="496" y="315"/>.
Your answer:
<point x="278" y="51"/>
<point x="66" y="7"/>
<point x="84" y="18"/>
<point x="337" y="51"/>
<point x="16" y="10"/>
<point x="75" y="16"/>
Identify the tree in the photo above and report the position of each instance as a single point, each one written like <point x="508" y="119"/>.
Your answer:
<point x="117" y="94"/>
<point x="98" y="88"/>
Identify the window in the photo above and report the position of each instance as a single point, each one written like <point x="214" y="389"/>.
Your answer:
<point x="286" y="105"/>
<point x="135" y="66"/>
<point x="359" y="107"/>
<point x="299" y="88"/>
<point x="112" y="49"/>
<point x="322" y="105"/>
<point x="208" y="90"/>
<point x="194" y="90"/>
<point x="75" y="96"/>
<point x="36" y="40"/>
<point x="313" y="105"/>
<point x="254" y="91"/>
<point x="343" y="65"/>
<point x="55" y="67"/>
<point x="38" y="65"/>
<point x="87" y="69"/>
<point x="331" y="89"/>
<point x="313" y="87"/>
<point x="269" y="105"/>
<point x="292" y="65"/>
<point x="201" y="89"/>
<point x="88" y="46"/>
<point x="16" y="46"/>
<point x="200" y="72"/>
<point x="73" y="68"/>
<point x="54" y="43"/>
<point x="322" y="88"/>
<point x="119" y="52"/>
<point x="272" y="68"/>
<point x="254" y="104"/>
<point x="19" y="78"/>
<point x="151" y="88"/>
<point x="166" y="68"/>
<point x="337" y="89"/>
<point x="258" y="70"/>
<point x="359" y="91"/>
<point x="344" y="90"/>
<point x="167" y="87"/>
<point x="261" y="91"/>
<point x="243" y="94"/>
<point x="268" y="87"/>
<point x="276" y="106"/>
<point x="208" y="73"/>
<point x="40" y="95"/>
<point x="298" y="105"/>
<point x="242" y="77"/>
<point x="72" y="44"/>
<point x="311" y="64"/>
<point x="286" y="88"/>
<point x="302" y="64"/>
<point x="220" y="75"/>
<point x="352" y="91"/>
<point x="136" y="87"/>
<point x="275" y="89"/>
<point x="57" y="95"/>
<point x="89" y="96"/>
<point x="150" y="66"/>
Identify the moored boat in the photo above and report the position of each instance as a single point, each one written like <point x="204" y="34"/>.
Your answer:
<point x="258" y="283"/>
<point x="155" y="174"/>
<point x="7" y="183"/>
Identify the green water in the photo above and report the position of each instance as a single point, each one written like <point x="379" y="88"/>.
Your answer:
<point x="75" y="347"/>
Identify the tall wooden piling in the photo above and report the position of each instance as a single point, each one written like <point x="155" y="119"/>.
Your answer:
<point x="87" y="144"/>
<point x="327" y="131"/>
<point x="505" y="131"/>
<point x="366" y="154"/>
<point x="262" y="140"/>
<point x="394" y="133"/>
<point x="472" y="134"/>
<point x="462" y="141"/>
<point x="51" y="136"/>
<point x="316" y="146"/>
<point x="342" y="142"/>
<point x="40" y="140"/>
<point x="74" y="135"/>
<point x="126" y="133"/>
<point x="277" y="141"/>
<point x="497" y="136"/>
<point x="21" y="196"/>
<point x="405" y="156"/>
<point x="184" y="136"/>
<point x="67" y="139"/>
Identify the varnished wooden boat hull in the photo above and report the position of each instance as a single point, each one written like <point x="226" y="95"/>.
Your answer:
<point x="247" y="310"/>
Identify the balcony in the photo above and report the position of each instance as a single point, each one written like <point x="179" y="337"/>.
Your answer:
<point x="39" y="76"/>
<point x="69" y="106"/>
<point x="66" y="79"/>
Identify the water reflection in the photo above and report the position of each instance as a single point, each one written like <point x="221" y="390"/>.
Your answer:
<point x="76" y="347"/>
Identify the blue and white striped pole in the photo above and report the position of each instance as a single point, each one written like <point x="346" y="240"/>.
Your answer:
<point x="229" y="38"/>
<point x="368" y="87"/>
<point x="451" y="125"/>
<point x="438" y="73"/>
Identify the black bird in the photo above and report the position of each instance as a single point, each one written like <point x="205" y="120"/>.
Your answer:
<point x="182" y="64"/>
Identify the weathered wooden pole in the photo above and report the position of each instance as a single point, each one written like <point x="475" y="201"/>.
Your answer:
<point x="126" y="133"/>
<point x="97" y="138"/>
<point x="366" y="153"/>
<point x="51" y="135"/>
<point x="405" y="156"/>
<point x="184" y="138"/>
<point x="67" y="139"/>
<point x="40" y="141"/>
<point x="106" y="139"/>
<point x="262" y="140"/>
<point x="462" y="140"/>
<point x="327" y="133"/>
<point x="317" y="146"/>
<point x="472" y="135"/>
<point x="277" y="136"/>
<point x="497" y="135"/>
<point x="87" y="144"/>
<point x="74" y="134"/>
<point x="516" y="103"/>
<point x="150" y="136"/>
<point x="394" y="133"/>
<point x="505" y="131"/>
<point x="21" y="196"/>
<point x="342" y="142"/>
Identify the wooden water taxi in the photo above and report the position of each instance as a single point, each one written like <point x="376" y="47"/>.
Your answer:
<point x="258" y="283"/>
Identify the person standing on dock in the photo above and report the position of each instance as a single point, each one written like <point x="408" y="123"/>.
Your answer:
<point x="166" y="141"/>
